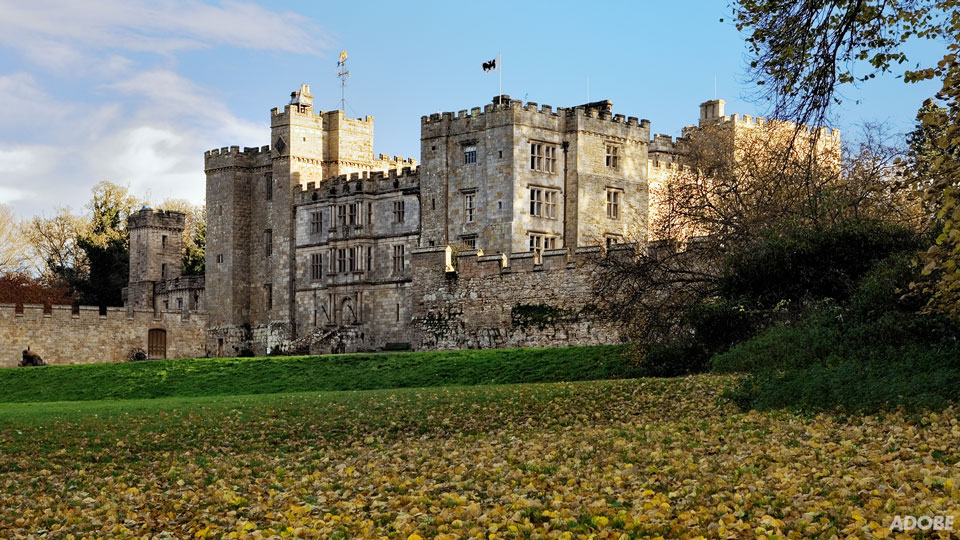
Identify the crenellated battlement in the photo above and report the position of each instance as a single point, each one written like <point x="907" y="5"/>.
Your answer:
<point x="233" y="156"/>
<point x="746" y="120"/>
<point x="655" y="166"/>
<point x="600" y="110"/>
<point x="365" y="182"/>
<point x="82" y="314"/>
<point x="155" y="218"/>
<point x="473" y="263"/>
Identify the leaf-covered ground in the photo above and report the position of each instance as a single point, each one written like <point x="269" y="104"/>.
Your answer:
<point x="608" y="459"/>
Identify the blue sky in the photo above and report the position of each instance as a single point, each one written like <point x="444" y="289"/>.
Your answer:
<point x="133" y="91"/>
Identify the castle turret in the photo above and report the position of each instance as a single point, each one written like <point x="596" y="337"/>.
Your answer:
<point x="155" y="253"/>
<point x="711" y="112"/>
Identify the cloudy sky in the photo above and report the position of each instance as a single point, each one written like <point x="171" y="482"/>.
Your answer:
<point x="133" y="92"/>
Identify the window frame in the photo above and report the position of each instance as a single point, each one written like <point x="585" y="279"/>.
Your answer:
<point x="612" y="155"/>
<point x="614" y="201"/>
<point x="399" y="256"/>
<point x="316" y="266"/>
<point x="470" y="206"/>
<point x="469" y="154"/>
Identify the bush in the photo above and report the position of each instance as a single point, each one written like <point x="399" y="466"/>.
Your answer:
<point x="784" y="347"/>
<point x="674" y="359"/>
<point x="802" y="264"/>
<point x="920" y="378"/>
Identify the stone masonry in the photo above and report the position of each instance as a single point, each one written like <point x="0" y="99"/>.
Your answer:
<point x="316" y="245"/>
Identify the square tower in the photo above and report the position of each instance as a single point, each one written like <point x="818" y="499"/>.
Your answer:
<point x="517" y="177"/>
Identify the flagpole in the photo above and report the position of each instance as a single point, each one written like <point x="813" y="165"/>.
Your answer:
<point x="500" y="76"/>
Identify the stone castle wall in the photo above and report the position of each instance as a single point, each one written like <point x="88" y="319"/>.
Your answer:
<point x="529" y="303"/>
<point x="64" y="336"/>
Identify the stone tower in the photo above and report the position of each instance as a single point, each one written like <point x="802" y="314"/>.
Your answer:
<point x="516" y="177"/>
<point x="251" y="212"/>
<point x="155" y="253"/>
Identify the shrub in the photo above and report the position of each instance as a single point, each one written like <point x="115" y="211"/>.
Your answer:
<point x="801" y="264"/>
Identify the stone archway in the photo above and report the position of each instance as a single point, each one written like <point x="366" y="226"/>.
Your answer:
<point x="348" y="313"/>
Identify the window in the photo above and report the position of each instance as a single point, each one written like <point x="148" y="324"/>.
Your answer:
<point x="611" y="240"/>
<point x="543" y="202"/>
<point x="540" y="242"/>
<point x="352" y="259"/>
<point x="179" y="304"/>
<point x="220" y="258"/>
<point x="398" y="211"/>
<point x="315" y="222"/>
<point x="369" y="258"/>
<point x="550" y="204"/>
<point x="369" y="213"/>
<point x="342" y="215"/>
<point x="268" y="292"/>
<point x="166" y="305"/>
<point x="163" y="241"/>
<point x="550" y="159"/>
<point x="268" y="242"/>
<point x="613" y="203"/>
<point x="470" y="241"/>
<point x="543" y="158"/>
<point x="316" y="266"/>
<point x="341" y="260"/>
<point x="268" y="187"/>
<point x="470" y="154"/>
<point x="613" y="156"/>
<point x="398" y="259"/>
<point x="354" y="216"/>
<point x="163" y="271"/>
<point x="536" y="201"/>
<point x="469" y="206"/>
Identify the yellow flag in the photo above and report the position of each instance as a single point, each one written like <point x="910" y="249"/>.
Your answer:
<point x="343" y="56"/>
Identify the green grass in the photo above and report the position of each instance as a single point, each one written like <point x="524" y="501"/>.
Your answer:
<point x="236" y="376"/>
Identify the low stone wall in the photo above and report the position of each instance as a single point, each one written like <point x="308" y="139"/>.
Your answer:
<point x="528" y="303"/>
<point x="64" y="336"/>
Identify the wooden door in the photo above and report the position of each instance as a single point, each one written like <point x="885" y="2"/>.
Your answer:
<point x="157" y="343"/>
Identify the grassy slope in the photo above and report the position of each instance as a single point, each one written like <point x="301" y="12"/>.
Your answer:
<point x="633" y="459"/>
<point x="230" y="376"/>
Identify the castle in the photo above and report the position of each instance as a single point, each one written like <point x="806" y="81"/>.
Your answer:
<point x="314" y="244"/>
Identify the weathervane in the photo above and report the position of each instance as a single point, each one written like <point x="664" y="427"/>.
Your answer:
<point x="342" y="73"/>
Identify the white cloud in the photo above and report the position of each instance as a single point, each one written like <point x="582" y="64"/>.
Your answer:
<point x="151" y="26"/>
<point x="100" y="98"/>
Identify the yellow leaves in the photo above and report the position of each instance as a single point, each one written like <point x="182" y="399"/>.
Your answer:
<point x="566" y="480"/>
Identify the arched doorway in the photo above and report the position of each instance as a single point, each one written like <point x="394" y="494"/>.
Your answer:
<point x="157" y="343"/>
<point x="348" y="315"/>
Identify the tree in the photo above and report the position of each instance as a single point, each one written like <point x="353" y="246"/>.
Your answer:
<point x="13" y="247"/>
<point x="53" y="243"/>
<point x="194" y="236"/>
<point x="803" y="50"/>
<point x="741" y="186"/>
<point x="105" y="242"/>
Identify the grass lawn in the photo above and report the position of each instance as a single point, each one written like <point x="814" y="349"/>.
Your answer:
<point x="608" y="459"/>
<point x="231" y="376"/>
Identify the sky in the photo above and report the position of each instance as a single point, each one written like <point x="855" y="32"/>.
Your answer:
<point x="134" y="91"/>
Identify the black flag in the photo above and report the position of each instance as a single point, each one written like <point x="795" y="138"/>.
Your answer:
<point x="490" y="66"/>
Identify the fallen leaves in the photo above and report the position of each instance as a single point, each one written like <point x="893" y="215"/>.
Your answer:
<point x="600" y="460"/>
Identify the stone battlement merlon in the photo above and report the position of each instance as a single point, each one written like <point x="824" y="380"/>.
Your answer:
<point x="358" y="183"/>
<point x="64" y="313"/>
<point x="748" y="120"/>
<point x="162" y="219"/>
<point x="469" y="263"/>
